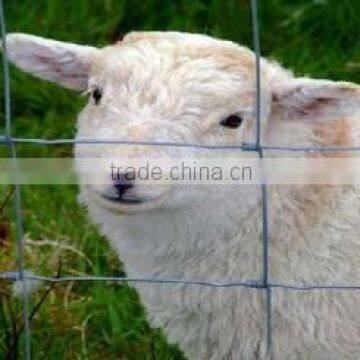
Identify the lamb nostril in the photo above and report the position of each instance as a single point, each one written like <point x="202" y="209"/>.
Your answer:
<point x="123" y="183"/>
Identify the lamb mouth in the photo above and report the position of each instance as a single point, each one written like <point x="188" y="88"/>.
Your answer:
<point x="121" y="200"/>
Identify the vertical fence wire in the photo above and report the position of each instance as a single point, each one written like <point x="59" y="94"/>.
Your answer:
<point x="17" y="192"/>
<point x="265" y="227"/>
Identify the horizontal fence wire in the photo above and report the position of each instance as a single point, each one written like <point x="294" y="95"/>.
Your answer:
<point x="254" y="284"/>
<point x="245" y="146"/>
<point x="264" y="283"/>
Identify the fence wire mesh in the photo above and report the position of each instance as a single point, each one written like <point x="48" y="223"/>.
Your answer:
<point x="18" y="207"/>
<point x="263" y="284"/>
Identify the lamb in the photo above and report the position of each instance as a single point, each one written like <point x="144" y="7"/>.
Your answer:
<point x="178" y="87"/>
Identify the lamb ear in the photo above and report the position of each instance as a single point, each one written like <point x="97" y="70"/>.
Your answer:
<point x="315" y="100"/>
<point x="60" y="62"/>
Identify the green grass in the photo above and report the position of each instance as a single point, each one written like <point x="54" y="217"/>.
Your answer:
<point x="99" y="320"/>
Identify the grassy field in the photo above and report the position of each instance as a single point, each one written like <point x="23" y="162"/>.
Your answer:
<point x="98" y="320"/>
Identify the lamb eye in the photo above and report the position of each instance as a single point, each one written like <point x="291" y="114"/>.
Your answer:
<point x="97" y="95"/>
<point x="232" y="121"/>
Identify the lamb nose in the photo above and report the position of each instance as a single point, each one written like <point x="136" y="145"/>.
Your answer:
<point x="123" y="183"/>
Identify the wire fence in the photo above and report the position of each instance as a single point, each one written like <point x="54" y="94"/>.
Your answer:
<point x="263" y="284"/>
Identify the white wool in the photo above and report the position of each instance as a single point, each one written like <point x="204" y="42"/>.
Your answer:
<point x="176" y="88"/>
